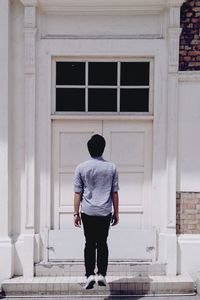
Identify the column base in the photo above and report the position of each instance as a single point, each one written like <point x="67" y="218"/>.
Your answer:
<point x="28" y="261"/>
<point x="6" y="258"/>
<point x="168" y="252"/>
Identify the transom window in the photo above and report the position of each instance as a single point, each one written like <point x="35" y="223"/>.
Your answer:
<point x="102" y="86"/>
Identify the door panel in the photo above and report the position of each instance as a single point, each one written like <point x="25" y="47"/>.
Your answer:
<point x="69" y="149"/>
<point x="129" y="146"/>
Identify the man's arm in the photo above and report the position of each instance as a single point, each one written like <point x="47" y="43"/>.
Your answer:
<point x="77" y="201"/>
<point x="115" y="200"/>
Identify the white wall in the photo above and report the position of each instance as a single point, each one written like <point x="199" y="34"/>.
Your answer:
<point x="189" y="132"/>
<point x="188" y="254"/>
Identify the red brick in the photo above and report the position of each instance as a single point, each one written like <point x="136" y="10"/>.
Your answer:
<point x="187" y="58"/>
<point x="191" y="227"/>
<point x="188" y="47"/>
<point x="196" y="9"/>
<point x="183" y="53"/>
<point x="194" y="53"/>
<point x="195" y="20"/>
<point x="189" y="14"/>
<point x="190" y="25"/>
<point x="191" y="3"/>
<point x="194" y="64"/>
<point x="195" y="42"/>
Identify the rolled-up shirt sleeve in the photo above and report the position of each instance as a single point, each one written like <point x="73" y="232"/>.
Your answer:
<point x="78" y="183"/>
<point x="115" y="182"/>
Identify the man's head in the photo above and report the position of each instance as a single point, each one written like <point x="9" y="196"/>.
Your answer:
<point x="96" y="145"/>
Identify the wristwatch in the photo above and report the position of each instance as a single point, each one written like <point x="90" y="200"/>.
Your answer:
<point x="77" y="214"/>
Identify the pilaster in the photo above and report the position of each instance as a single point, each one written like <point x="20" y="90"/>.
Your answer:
<point x="172" y="125"/>
<point x="6" y="247"/>
<point x="30" y="98"/>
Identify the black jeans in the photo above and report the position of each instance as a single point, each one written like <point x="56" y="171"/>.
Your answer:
<point x="96" y="232"/>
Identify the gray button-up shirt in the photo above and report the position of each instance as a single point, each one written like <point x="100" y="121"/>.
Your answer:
<point x="96" y="179"/>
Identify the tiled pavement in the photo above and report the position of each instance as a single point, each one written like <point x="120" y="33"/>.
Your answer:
<point x="196" y="297"/>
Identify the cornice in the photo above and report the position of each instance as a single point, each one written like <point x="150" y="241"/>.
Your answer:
<point x="175" y="3"/>
<point x="29" y="2"/>
<point x="105" y="6"/>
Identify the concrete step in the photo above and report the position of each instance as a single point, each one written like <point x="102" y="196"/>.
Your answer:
<point x="142" y="269"/>
<point x="116" y="285"/>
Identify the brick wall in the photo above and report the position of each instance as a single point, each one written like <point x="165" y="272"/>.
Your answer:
<point x="188" y="213"/>
<point x="189" y="58"/>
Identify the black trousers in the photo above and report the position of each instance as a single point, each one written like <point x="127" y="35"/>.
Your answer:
<point x="96" y="230"/>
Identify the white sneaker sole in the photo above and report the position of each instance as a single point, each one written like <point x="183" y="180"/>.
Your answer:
<point x="90" y="285"/>
<point x="101" y="283"/>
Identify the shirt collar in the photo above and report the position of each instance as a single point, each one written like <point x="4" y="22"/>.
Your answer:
<point x="98" y="158"/>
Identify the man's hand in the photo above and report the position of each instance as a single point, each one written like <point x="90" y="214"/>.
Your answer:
<point x="114" y="219"/>
<point x="77" y="221"/>
<point x="115" y="216"/>
<point x="77" y="200"/>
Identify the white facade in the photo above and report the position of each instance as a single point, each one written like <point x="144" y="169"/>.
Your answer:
<point x="36" y="34"/>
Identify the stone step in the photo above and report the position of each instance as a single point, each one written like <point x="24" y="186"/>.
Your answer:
<point x="114" y="268"/>
<point x="116" y="285"/>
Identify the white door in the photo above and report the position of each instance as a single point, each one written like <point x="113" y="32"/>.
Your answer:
<point x="129" y="146"/>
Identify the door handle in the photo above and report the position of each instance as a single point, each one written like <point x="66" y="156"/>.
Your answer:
<point x="50" y="248"/>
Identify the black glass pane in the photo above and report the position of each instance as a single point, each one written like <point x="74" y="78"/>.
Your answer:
<point x="134" y="100"/>
<point x="70" y="73"/>
<point x="134" y="73"/>
<point x="70" y="99"/>
<point x="102" y="73"/>
<point x="102" y="99"/>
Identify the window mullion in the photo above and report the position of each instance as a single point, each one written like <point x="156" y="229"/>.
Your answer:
<point x="118" y="86"/>
<point x="86" y="86"/>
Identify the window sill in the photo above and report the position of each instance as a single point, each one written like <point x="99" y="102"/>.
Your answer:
<point x="97" y="116"/>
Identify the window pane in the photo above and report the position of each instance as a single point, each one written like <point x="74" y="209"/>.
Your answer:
<point x="102" y="99"/>
<point x="134" y="100"/>
<point x="70" y="73"/>
<point x="134" y="73"/>
<point x="102" y="73"/>
<point x="70" y="99"/>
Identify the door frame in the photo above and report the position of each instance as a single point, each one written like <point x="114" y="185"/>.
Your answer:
<point x="165" y="223"/>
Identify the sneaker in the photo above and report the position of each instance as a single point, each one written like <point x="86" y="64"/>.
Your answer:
<point x="90" y="281"/>
<point x="101" y="280"/>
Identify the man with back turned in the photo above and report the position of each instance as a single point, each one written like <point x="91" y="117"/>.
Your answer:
<point x="96" y="193"/>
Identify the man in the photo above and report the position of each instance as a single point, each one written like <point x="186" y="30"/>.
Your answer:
<point x="96" y="189"/>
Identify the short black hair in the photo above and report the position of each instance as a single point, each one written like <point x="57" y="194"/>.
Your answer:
<point x="96" y="145"/>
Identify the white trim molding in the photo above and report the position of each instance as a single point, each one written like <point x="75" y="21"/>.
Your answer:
<point x="189" y="76"/>
<point x="108" y="7"/>
<point x="29" y="73"/>
<point x="6" y="246"/>
<point x="29" y="2"/>
<point x="174" y="31"/>
<point x="30" y="99"/>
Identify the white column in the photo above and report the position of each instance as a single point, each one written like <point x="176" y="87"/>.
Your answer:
<point x="30" y="94"/>
<point x="6" y="261"/>
<point x="172" y="123"/>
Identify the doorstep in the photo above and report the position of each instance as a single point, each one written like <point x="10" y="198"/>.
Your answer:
<point x="116" y="285"/>
<point x="115" y="268"/>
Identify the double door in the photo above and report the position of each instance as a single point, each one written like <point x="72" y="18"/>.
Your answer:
<point x="129" y="146"/>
